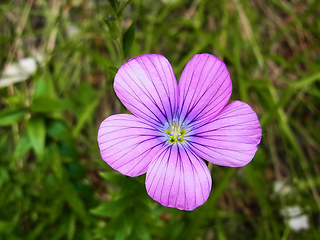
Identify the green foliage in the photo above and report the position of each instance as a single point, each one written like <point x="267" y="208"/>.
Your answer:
<point x="53" y="183"/>
<point x="37" y="133"/>
<point x="128" y="39"/>
<point x="8" y="117"/>
<point x="129" y="212"/>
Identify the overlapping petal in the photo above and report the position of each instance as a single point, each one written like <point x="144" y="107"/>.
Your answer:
<point x="128" y="144"/>
<point x="146" y="85"/>
<point x="231" y="138"/>
<point x="178" y="178"/>
<point x="205" y="88"/>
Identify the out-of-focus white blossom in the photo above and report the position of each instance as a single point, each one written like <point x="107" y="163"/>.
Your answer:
<point x="295" y="218"/>
<point x="20" y="71"/>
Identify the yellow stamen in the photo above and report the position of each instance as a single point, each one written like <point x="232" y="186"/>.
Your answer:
<point x="174" y="132"/>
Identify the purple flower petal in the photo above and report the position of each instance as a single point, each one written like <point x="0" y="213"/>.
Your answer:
<point x="231" y="138"/>
<point x="205" y="88"/>
<point x="128" y="144"/>
<point x="178" y="178"/>
<point x="146" y="85"/>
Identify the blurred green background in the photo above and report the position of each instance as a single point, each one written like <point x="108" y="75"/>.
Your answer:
<point x="58" y="60"/>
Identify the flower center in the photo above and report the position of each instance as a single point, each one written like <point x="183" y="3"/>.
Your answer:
<point x="174" y="132"/>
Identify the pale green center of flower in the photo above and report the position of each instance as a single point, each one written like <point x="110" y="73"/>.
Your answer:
<point x="174" y="132"/>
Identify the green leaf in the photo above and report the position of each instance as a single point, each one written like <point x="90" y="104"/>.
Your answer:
<point x="85" y="117"/>
<point x="120" y="10"/>
<point x="44" y="86"/>
<point x="128" y="39"/>
<point x="4" y="176"/>
<point x="37" y="133"/>
<point x="109" y="209"/>
<point x="58" y="130"/>
<point x="121" y="235"/>
<point x="112" y="24"/>
<point x="125" y="229"/>
<point x="45" y="104"/>
<point x="22" y="147"/>
<point x="9" y="117"/>
<point x="73" y="200"/>
<point x="71" y="228"/>
<point x="3" y="141"/>
<point x="6" y="226"/>
<point x="113" y="5"/>
<point x="141" y="231"/>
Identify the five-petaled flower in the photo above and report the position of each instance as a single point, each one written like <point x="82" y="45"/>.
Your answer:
<point x="175" y="126"/>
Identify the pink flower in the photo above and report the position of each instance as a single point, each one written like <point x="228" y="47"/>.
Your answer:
<point x="175" y="126"/>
